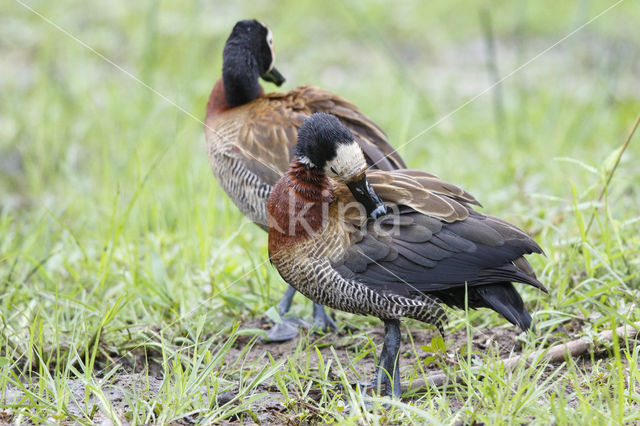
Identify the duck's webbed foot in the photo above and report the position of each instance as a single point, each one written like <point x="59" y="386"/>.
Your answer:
<point x="288" y="328"/>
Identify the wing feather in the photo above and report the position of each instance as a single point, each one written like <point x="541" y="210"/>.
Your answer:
<point x="433" y="240"/>
<point x="269" y="130"/>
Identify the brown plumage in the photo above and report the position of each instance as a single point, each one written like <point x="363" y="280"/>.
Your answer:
<point x="426" y="245"/>
<point x="251" y="137"/>
<point x="262" y="135"/>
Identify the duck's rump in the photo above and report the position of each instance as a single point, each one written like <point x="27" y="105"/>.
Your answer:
<point x="502" y="297"/>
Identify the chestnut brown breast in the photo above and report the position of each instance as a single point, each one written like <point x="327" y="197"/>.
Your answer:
<point x="298" y="208"/>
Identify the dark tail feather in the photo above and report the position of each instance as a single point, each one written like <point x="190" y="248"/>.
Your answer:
<point x="504" y="299"/>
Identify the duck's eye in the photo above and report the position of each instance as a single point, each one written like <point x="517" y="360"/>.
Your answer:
<point x="270" y="39"/>
<point x="333" y="170"/>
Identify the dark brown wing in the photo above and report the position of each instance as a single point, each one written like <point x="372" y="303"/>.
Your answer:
<point x="423" y="192"/>
<point x="432" y="240"/>
<point x="369" y="136"/>
<point x="270" y="130"/>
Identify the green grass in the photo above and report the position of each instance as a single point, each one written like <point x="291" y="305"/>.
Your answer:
<point x="120" y="254"/>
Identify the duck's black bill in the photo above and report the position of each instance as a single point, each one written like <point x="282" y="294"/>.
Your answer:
<point x="365" y="195"/>
<point x="274" y="77"/>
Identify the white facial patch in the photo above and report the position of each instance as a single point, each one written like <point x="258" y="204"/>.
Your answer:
<point x="305" y="160"/>
<point x="348" y="164"/>
<point x="270" y="44"/>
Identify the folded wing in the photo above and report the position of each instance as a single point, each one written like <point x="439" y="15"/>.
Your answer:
<point x="432" y="241"/>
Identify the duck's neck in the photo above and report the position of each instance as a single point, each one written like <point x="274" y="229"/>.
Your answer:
<point x="240" y="76"/>
<point x="311" y="183"/>
<point x="217" y="100"/>
<point x="298" y="206"/>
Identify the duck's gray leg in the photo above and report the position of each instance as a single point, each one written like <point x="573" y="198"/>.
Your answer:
<point x="285" y="303"/>
<point x="387" y="373"/>
<point x="322" y="320"/>
<point x="391" y="375"/>
<point x="379" y="377"/>
<point x="288" y="328"/>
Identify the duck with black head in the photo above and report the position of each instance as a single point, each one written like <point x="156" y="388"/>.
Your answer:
<point x="415" y="243"/>
<point x="251" y="136"/>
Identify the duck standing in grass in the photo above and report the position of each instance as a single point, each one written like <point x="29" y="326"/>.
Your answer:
<point x="389" y="244"/>
<point x="251" y="137"/>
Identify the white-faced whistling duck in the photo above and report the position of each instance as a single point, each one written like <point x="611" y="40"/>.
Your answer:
<point x="251" y="137"/>
<point x="389" y="244"/>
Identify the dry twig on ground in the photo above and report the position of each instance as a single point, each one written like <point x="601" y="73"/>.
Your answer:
<point x="555" y="354"/>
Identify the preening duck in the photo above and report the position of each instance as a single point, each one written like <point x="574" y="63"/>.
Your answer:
<point x="390" y="244"/>
<point x="251" y="136"/>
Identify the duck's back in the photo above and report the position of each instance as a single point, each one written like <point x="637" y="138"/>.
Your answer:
<point x="250" y="146"/>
